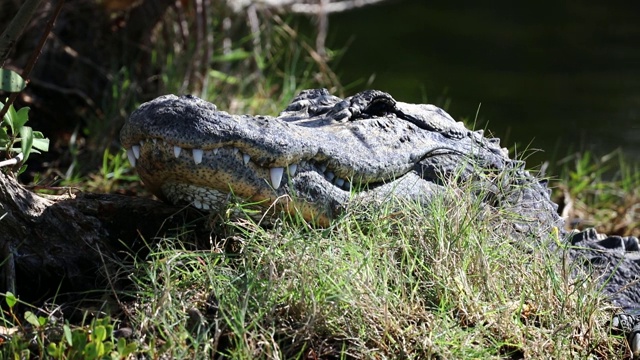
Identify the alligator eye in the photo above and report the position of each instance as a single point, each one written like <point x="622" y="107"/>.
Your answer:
<point x="380" y="106"/>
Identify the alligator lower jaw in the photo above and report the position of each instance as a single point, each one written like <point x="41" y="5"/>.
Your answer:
<point x="211" y="179"/>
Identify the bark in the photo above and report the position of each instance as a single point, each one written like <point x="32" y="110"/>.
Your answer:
<point x="69" y="243"/>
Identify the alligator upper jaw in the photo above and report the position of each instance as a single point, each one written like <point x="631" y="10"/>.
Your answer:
<point x="187" y="151"/>
<point x="372" y="150"/>
<point x="208" y="179"/>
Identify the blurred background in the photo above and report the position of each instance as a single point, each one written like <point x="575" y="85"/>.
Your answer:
<point x="560" y="76"/>
<point x="550" y="78"/>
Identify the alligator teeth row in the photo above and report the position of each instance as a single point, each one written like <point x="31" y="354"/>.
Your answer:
<point x="331" y="177"/>
<point x="134" y="153"/>
<point x="275" y="173"/>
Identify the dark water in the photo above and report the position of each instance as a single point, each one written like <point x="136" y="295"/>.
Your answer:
<point x="551" y="75"/>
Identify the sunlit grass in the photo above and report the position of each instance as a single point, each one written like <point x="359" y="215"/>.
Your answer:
<point x="424" y="282"/>
<point x="601" y="192"/>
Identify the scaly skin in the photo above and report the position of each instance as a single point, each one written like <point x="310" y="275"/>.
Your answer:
<point x="323" y="153"/>
<point x="318" y="150"/>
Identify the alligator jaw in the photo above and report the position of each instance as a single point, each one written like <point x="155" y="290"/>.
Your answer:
<point x="186" y="151"/>
<point x="210" y="179"/>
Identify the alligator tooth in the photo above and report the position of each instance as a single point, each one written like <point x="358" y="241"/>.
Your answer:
<point x="245" y="158"/>
<point x="215" y="151"/>
<point x="235" y="150"/>
<point x="132" y="157"/>
<point x="141" y="143"/>
<point x="635" y="344"/>
<point x="155" y="141"/>
<point x="615" y="322"/>
<point x="276" y="176"/>
<point x="292" y="169"/>
<point x="197" y="155"/>
<point x="303" y="163"/>
<point x="176" y="150"/>
<point x="329" y="175"/>
<point x="339" y="182"/>
<point x="136" y="151"/>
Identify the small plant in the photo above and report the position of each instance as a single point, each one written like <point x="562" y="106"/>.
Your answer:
<point x="13" y="131"/>
<point x="601" y="192"/>
<point x="96" y="343"/>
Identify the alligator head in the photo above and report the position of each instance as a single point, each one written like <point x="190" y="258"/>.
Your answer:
<point x="318" y="155"/>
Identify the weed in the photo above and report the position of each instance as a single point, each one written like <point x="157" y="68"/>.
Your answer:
<point x="600" y="192"/>
<point x="13" y="130"/>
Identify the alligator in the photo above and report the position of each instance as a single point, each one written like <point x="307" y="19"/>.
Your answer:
<point x="324" y="153"/>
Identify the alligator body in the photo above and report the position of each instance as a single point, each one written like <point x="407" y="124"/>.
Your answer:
<point x="316" y="152"/>
<point x="323" y="153"/>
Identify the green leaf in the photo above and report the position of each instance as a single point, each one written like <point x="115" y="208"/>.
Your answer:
<point x="11" y="81"/>
<point x="26" y="141"/>
<point x="224" y="77"/>
<point x="234" y="55"/>
<point x="31" y="318"/>
<point x="91" y="351"/>
<point x="79" y="339"/>
<point x="3" y="135"/>
<point x="67" y="334"/>
<point x="22" y="116"/>
<point x="40" y="143"/>
<point x="8" y="118"/>
<point x="53" y="350"/>
<point x="130" y="349"/>
<point x="10" y="299"/>
<point x="121" y="346"/>
<point x="99" y="333"/>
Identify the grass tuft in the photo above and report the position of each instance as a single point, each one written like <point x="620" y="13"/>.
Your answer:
<point x="601" y="192"/>
<point x="431" y="281"/>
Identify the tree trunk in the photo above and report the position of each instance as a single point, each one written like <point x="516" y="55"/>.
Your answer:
<point x="68" y="243"/>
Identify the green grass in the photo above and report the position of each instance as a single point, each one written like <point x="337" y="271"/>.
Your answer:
<point x="600" y="191"/>
<point x="404" y="282"/>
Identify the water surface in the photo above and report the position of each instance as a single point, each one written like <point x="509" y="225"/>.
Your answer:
<point x="551" y="75"/>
